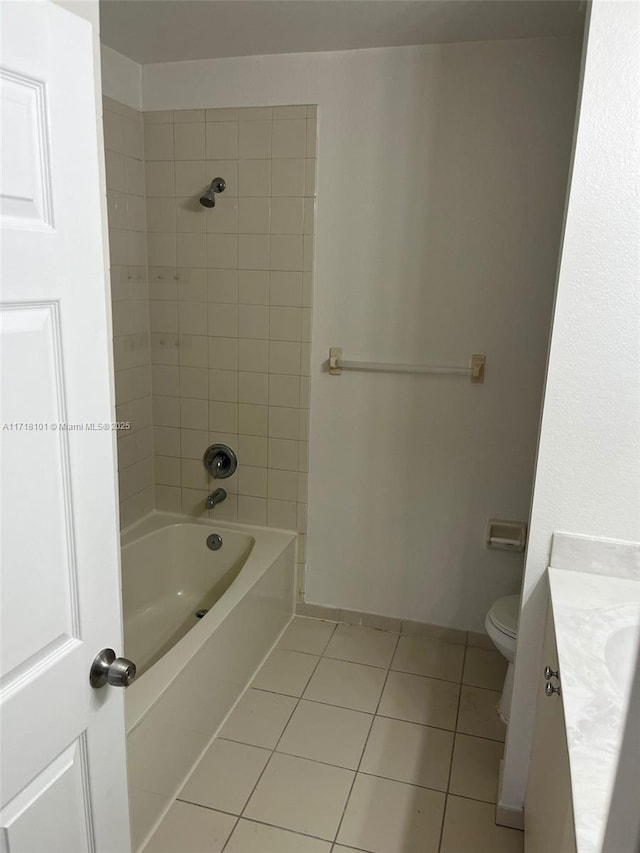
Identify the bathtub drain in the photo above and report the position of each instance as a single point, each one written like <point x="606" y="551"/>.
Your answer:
<point x="201" y="613"/>
<point x="214" y="542"/>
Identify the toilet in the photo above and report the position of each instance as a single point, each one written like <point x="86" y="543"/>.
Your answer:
<point x="501" y="625"/>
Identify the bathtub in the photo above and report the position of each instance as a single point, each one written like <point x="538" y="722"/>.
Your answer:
<point x="191" y="671"/>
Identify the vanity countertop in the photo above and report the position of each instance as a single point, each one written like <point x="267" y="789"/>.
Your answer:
<point x="597" y="626"/>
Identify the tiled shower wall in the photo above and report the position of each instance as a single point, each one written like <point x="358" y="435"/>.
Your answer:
<point x="123" y="136"/>
<point x="230" y="307"/>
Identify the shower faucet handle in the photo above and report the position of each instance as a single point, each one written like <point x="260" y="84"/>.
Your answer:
<point x="220" y="461"/>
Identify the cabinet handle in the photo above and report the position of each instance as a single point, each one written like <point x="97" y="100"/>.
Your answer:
<point x="550" y="673"/>
<point x="549" y="689"/>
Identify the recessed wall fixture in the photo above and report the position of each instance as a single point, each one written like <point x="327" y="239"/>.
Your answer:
<point x="217" y="185"/>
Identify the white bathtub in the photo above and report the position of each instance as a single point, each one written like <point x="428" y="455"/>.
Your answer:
<point x="192" y="670"/>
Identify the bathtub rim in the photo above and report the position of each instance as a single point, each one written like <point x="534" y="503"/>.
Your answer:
<point x="269" y="543"/>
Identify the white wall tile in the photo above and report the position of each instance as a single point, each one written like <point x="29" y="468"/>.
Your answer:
<point x="253" y="388"/>
<point x="161" y="214"/>
<point x="160" y="178"/>
<point x="191" y="250"/>
<point x="252" y="481"/>
<point x="285" y="324"/>
<point x="254" y="215"/>
<point x="284" y="422"/>
<point x="253" y="450"/>
<point x="253" y="251"/>
<point x="287" y="215"/>
<point x="189" y="141"/>
<point x="281" y="514"/>
<point x="182" y="116"/>
<point x="254" y="178"/>
<point x="222" y="251"/>
<point x="286" y="252"/>
<point x="223" y="320"/>
<point x="289" y="138"/>
<point x="222" y="140"/>
<point x="255" y="139"/>
<point x="253" y="287"/>
<point x="283" y="454"/>
<point x="253" y="419"/>
<point x="190" y="178"/>
<point x="284" y="357"/>
<point x="253" y="322"/>
<point x="223" y="417"/>
<point x="284" y="391"/>
<point x="288" y="177"/>
<point x="252" y="510"/>
<point x="222" y="114"/>
<point x="223" y="218"/>
<point x="253" y="355"/>
<point x="223" y="385"/>
<point x="286" y="288"/>
<point x="222" y="285"/>
<point x="223" y="353"/>
<point x="158" y="142"/>
<point x="190" y="216"/>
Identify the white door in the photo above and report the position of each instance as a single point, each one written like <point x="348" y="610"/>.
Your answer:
<point x="63" y="765"/>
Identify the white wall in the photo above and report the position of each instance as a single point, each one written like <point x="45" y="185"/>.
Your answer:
<point x="121" y="78"/>
<point x="589" y="454"/>
<point x="442" y="173"/>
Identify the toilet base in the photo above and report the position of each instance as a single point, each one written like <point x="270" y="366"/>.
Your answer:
<point x="504" y="705"/>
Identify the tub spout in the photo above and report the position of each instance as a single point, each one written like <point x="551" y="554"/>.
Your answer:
<point x="215" y="498"/>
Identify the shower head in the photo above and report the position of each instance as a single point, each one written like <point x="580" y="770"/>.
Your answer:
<point x="208" y="199"/>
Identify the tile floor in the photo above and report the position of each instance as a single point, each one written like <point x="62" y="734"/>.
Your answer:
<point x="351" y="738"/>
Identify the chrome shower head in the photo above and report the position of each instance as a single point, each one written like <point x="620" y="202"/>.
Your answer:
<point x="208" y="199"/>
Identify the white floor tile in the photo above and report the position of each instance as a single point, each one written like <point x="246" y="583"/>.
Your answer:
<point x="478" y="713"/>
<point x="390" y="817"/>
<point x="359" y="644"/>
<point x="484" y="668"/>
<point x="250" y="837"/>
<point x="409" y="753"/>
<point x="191" y="829"/>
<point x="350" y="685"/>
<point x="307" y="635"/>
<point x="225" y="776"/>
<point x="285" y="672"/>
<point x="469" y="827"/>
<point x="259" y="718"/>
<point x="326" y="733"/>
<point x="301" y="795"/>
<point x="429" y="656"/>
<point x="476" y="763"/>
<point x="420" y="700"/>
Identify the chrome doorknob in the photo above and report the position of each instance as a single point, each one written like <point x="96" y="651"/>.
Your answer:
<point x="108" y="669"/>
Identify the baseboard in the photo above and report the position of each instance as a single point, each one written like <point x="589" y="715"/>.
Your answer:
<point x="511" y="816"/>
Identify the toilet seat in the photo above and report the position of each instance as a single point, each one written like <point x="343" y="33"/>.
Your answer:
<point x="504" y="614"/>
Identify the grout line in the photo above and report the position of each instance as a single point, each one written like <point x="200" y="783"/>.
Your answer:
<point x="299" y="698"/>
<point x="252" y="820"/>
<point x="364" y="748"/>
<point x="453" y="750"/>
<point x="382" y="716"/>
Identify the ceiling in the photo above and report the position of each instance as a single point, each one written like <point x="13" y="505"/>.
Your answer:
<point x="174" y="30"/>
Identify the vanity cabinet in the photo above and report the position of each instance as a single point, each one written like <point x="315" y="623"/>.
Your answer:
<point x="548" y="822"/>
